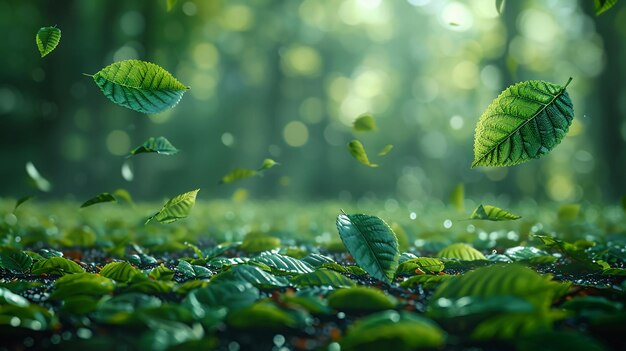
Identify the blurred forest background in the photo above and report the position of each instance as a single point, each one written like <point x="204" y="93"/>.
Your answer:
<point x="286" y="79"/>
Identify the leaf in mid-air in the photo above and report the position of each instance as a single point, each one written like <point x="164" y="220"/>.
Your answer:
<point x="364" y="123"/>
<point x="159" y="145"/>
<point x="102" y="197"/>
<point x="492" y="213"/>
<point x="385" y="150"/>
<point x="526" y="121"/>
<point x="176" y="208"/>
<point x="47" y="39"/>
<point x="238" y="174"/>
<point x="602" y="6"/>
<point x="140" y="86"/>
<point x="358" y="152"/>
<point x="372" y="243"/>
<point x="267" y="164"/>
<point x="39" y="182"/>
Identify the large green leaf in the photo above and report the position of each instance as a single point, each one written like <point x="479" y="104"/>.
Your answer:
<point x="56" y="265"/>
<point x="358" y="152"/>
<point x="15" y="260"/>
<point x="47" y="39"/>
<point x="372" y="243"/>
<point x="283" y="263"/>
<point x="391" y="330"/>
<point x="602" y="6"/>
<point x="39" y="182"/>
<point x="119" y="271"/>
<point x="492" y="213"/>
<point x="176" y="208"/>
<point x="230" y="294"/>
<point x="526" y="121"/>
<point x="140" y="86"/>
<point x="159" y="145"/>
<point x="100" y="198"/>
<point x="323" y="277"/>
<point x="461" y="252"/>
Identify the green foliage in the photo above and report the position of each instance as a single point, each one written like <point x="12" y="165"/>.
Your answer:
<point x="360" y="299"/>
<point x="526" y="121"/>
<point x="100" y="198"/>
<point x="372" y="243"/>
<point x="159" y="145"/>
<point x="176" y="208"/>
<point x="256" y="242"/>
<point x="14" y="260"/>
<point x="81" y="284"/>
<point x="602" y="6"/>
<point x="283" y="263"/>
<point x="492" y="213"/>
<point x="252" y="275"/>
<point x="21" y="201"/>
<point x="40" y="183"/>
<point x="140" y="86"/>
<point x="358" y="152"/>
<point x="393" y="330"/>
<point x="424" y="264"/>
<point x="56" y="265"/>
<point x="47" y="39"/>
<point x="119" y="271"/>
<point x="364" y="123"/>
<point x="323" y="277"/>
<point x="461" y="252"/>
<point x="230" y="294"/>
<point x="385" y="150"/>
<point x="261" y="316"/>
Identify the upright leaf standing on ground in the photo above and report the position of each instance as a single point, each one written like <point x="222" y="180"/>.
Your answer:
<point x="372" y="243"/>
<point x="526" y="121"/>
<point x="47" y="39"/>
<point x="140" y="86"/>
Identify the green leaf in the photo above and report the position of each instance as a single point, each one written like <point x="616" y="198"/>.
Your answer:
<point x="119" y="271"/>
<point x="392" y="330"/>
<point x="267" y="164"/>
<point x="230" y="294"/>
<point x="56" y="265"/>
<point x="526" y="121"/>
<point x="161" y="272"/>
<point x="21" y="200"/>
<point x="602" y="6"/>
<point x="140" y="86"/>
<point x="159" y="145"/>
<point x="102" y="197"/>
<point x="358" y="152"/>
<point x="457" y="197"/>
<point x="15" y="260"/>
<point x="385" y="150"/>
<point x="500" y="6"/>
<point x="255" y="242"/>
<point x="238" y="174"/>
<point x="492" y="213"/>
<point x="317" y="260"/>
<point x="568" y="212"/>
<point x="425" y="264"/>
<point x="261" y="316"/>
<point x="354" y="270"/>
<point x="427" y="281"/>
<point x="81" y="284"/>
<point x="40" y="183"/>
<point x="372" y="243"/>
<point x="323" y="277"/>
<point x="124" y="195"/>
<point x="176" y="208"/>
<point x="524" y="253"/>
<point x="361" y="299"/>
<point x="283" y="263"/>
<point x="252" y="275"/>
<point x="461" y="252"/>
<point x="364" y="123"/>
<point x="47" y="39"/>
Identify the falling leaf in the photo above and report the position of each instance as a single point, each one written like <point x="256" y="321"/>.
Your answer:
<point x="358" y="152"/>
<point x="385" y="150"/>
<point x="365" y="123"/>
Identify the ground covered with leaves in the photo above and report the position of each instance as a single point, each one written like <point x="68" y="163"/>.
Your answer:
<point x="277" y="276"/>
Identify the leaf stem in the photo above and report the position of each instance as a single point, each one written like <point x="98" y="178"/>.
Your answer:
<point x="568" y="81"/>
<point x="88" y="75"/>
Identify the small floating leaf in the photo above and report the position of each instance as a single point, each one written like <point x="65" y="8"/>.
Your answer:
<point x="492" y="213"/>
<point x="364" y="123"/>
<point x="358" y="152"/>
<point x="176" y="208"/>
<point x="526" y="121"/>
<point x="103" y="197"/>
<point x="140" y="86"/>
<point x="238" y="174"/>
<point x="602" y="6"/>
<point x="159" y="145"/>
<point x="268" y="163"/>
<point x="39" y="182"/>
<point x="372" y="243"/>
<point x="47" y="39"/>
<point x="385" y="150"/>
